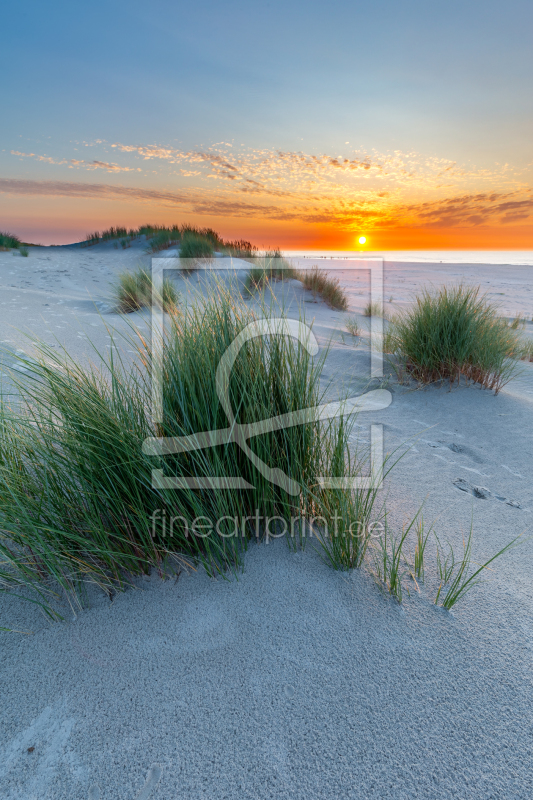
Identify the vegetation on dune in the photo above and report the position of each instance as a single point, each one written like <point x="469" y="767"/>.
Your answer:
<point x="454" y="333"/>
<point x="134" y="290"/>
<point x="77" y="497"/>
<point x="373" y="310"/>
<point x="79" y="503"/>
<point x="267" y="267"/>
<point x="527" y="351"/>
<point x="518" y="323"/>
<point x="9" y="241"/>
<point x="194" y="246"/>
<point x="114" y="233"/>
<point x="198" y="242"/>
<point x="352" y="326"/>
<point x="162" y="240"/>
<point x="240" y="248"/>
<point x="91" y="238"/>
<point x="273" y="267"/>
<point x="320" y="283"/>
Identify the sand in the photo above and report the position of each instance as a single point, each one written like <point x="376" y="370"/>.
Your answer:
<point x="294" y="681"/>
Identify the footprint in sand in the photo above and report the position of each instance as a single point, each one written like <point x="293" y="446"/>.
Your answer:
<point x="482" y="493"/>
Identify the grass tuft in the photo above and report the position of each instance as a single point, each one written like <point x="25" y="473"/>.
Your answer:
<point x="454" y="575"/>
<point x="373" y="310"/>
<point x="8" y="241"/>
<point x="195" y="247"/>
<point x="526" y="352"/>
<point x="78" y="503"/>
<point x="390" y="563"/>
<point x="452" y="334"/>
<point x="518" y="323"/>
<point x="269" y="267"/>
<point x="134" y="291"/>
<point x="319" y="282"/>
<point x="163" y="239"/>
<point x="421" y="541"/>
<point x="352" y="326"/>
<point x="240" y="248"/>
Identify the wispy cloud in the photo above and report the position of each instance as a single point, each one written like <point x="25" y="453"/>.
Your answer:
<point x="347" y="191"/>
<point x="190" y="201"/>
<point x="73" y="162"/>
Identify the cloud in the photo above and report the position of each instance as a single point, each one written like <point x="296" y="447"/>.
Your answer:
<point x="360" y="189"/>
<point x="79" y="163"/>
<point x="188" y="201"/>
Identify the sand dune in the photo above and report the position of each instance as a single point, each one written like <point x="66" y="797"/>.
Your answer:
<point x="293" y="681"/>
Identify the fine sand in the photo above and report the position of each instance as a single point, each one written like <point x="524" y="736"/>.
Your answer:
<point x="294" y="681"/>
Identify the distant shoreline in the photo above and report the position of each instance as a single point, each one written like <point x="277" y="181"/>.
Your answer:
<point x="516" y="258"/>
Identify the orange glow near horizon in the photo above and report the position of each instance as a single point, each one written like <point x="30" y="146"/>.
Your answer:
<point x="61" y="220"/>
<point x="274" y="198"/>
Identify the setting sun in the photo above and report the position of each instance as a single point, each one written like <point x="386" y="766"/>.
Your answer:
<point x="362" y="240"/>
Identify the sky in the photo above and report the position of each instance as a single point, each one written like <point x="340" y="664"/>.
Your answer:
<point x="291" y="124"/>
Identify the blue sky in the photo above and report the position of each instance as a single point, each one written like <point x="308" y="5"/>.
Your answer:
<point x="449" y="81"/>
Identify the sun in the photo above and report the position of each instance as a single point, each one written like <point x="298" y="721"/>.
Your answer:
<point x="362" y="240"/>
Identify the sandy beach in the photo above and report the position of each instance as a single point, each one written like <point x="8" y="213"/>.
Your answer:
<point x="294" y="680"/>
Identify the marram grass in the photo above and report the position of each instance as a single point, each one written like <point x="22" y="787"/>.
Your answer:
<point x="134" y="290"/>
<point x="320" y="283"/>
<point x="273" y="267"/>
<point x="78" y="504"/>
<point x="452" y="334"/>
<point x="77" y="500"/>
<point x="268" y="267"/>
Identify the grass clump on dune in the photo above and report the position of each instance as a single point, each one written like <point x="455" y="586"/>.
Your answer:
<point x="352" y="326"/>
<point x="111" y="233"/>
<point x="91" y="239"/>
<point x="267" y="267"/>
<point x="199" y="242"/>
<point x="455" y="333"/>
<point x="195" y="246"/>
<point x="9" y="241"/>
<point x="163" y="239"/>
<point x="273" y="267"/>
<point x="518" y="323"/>
<point x="78" y="502"/>
<point x="320" y="283"/>
<point x="373" y="310"/>
<point x="526" y="353"/>
<point x="240" y="248"/>
<point x="134" y="291"/>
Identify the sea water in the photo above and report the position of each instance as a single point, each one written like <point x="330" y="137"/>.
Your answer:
<point x="503" y="257"/>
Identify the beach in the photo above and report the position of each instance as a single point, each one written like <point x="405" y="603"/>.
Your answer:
<point x="291" y="680"/>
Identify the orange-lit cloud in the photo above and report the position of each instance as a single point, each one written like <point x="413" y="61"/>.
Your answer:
<point x="320" y="196"/>
<point x="78" y="163"/>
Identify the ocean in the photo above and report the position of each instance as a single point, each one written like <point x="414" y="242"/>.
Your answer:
<point x="503" y="257"/>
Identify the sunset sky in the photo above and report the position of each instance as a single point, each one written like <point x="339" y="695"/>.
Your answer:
<point x="298" y="124"/>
